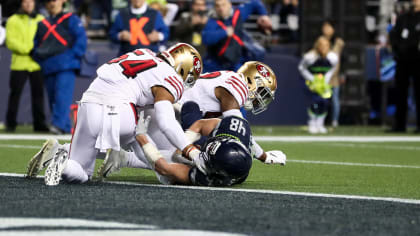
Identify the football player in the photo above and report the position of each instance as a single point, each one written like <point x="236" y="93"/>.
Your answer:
<point x="223" y="93"/>
<point x="107" y="115"/>
<point x="214" y="94"/>
<point x="224" y="160"/>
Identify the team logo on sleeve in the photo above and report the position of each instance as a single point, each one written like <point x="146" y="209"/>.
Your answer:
<point x="263" y="71"/>
<point x="197" y="65"/>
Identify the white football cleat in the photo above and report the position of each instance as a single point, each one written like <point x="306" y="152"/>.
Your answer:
<point x="56" y="167"/>
<point x="113" y="162"/>
<point x="41" y="160"/>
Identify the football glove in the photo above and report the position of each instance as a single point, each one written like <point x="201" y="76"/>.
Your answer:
<point x="275" y="157"/>
<point x="319" y="86"/>
<point x="142" y="124"/>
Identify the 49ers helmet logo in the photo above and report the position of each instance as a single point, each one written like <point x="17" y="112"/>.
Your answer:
<point x="197" y="65"/>
<point x="263" y="71"/>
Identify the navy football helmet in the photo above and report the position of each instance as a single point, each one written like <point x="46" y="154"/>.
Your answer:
<point x="227" y="160"/>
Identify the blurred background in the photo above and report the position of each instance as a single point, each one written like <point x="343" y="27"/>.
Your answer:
<point x="365" y="79"/>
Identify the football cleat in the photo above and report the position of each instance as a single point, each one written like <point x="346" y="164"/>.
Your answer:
<point x="114" y="161"/>
<point x="56" y="167"/>
<point x="41" y="160"/>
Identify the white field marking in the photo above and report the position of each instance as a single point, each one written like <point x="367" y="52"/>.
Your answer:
<point x="19" y="146"/>
<point x="19" y="226"/>
<point x="364" y="139"/>
<point x="106" y="232"/>
<point x="14" y="222"/>
<point x="34" y="136"/>
<point x="359" y="145"/>
<point x="353" y="164"/>
<point x="367" y="139"/>
<point x="306" y="194"/>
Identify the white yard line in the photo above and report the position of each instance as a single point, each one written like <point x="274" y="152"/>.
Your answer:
<point x="364" y="145"/>
<point x="367" y="139"/>
<point x="19" y="146"/>
<point x="353" y="164"/>
<point x="33" y="137"/>
<point x="364" y="139"/>
<point x="306" y="194"/>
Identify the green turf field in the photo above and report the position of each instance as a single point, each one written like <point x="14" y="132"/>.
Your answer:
<point x="390" y="169"/>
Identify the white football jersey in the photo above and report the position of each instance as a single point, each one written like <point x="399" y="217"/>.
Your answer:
<point x="132" y="75"/>
<point x="203" y="90"/>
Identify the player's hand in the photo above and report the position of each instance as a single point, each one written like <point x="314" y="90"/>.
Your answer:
<point x="142" y="124"/>
<point x="275" y="157"/>
<point x="198" y="161"/>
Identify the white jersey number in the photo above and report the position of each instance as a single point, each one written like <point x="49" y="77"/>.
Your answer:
<point x="237" y="126"/>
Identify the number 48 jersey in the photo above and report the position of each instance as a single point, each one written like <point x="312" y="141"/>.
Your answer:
<point x="234" y="127"/>
<point x="132" y="75"/>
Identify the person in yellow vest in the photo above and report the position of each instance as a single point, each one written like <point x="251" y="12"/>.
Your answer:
<point x="20" y="33"/>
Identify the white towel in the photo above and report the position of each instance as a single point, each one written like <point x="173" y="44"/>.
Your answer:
<point x="109" y="138"/>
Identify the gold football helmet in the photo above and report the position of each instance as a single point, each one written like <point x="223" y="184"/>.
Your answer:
<point x="186" y="61"/>
<point x="262" y="85"/>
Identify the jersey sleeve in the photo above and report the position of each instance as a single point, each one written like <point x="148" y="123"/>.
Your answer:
<point x="235" y="84"/>
<point x="174" y="85"/>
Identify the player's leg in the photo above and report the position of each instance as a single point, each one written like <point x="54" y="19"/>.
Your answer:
<point x="126" y="156"/>
<point x="83" y="153"/>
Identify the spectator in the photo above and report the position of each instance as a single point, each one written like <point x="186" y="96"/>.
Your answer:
<point x="405" y="41"/>
<point x="318" y="67"/>
<point x="337" y="45"/>
<point x="168" y="10"/>
<point x="138" y="26"/>
<point x="21" y="28"/>
<point x="289" y="14"/>
<point x="191" y="24"/>
<point x="60" y="43"/>
<point x="223" y="33"/>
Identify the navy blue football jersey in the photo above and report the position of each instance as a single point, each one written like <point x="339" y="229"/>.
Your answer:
<point x="235" y="127"/>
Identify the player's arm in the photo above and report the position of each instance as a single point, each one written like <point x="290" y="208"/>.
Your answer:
<point x="228" y="104"/>
<point x="176" y="171"/>
<point x="269" y="157"/>
<point x="165" y="117"/>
